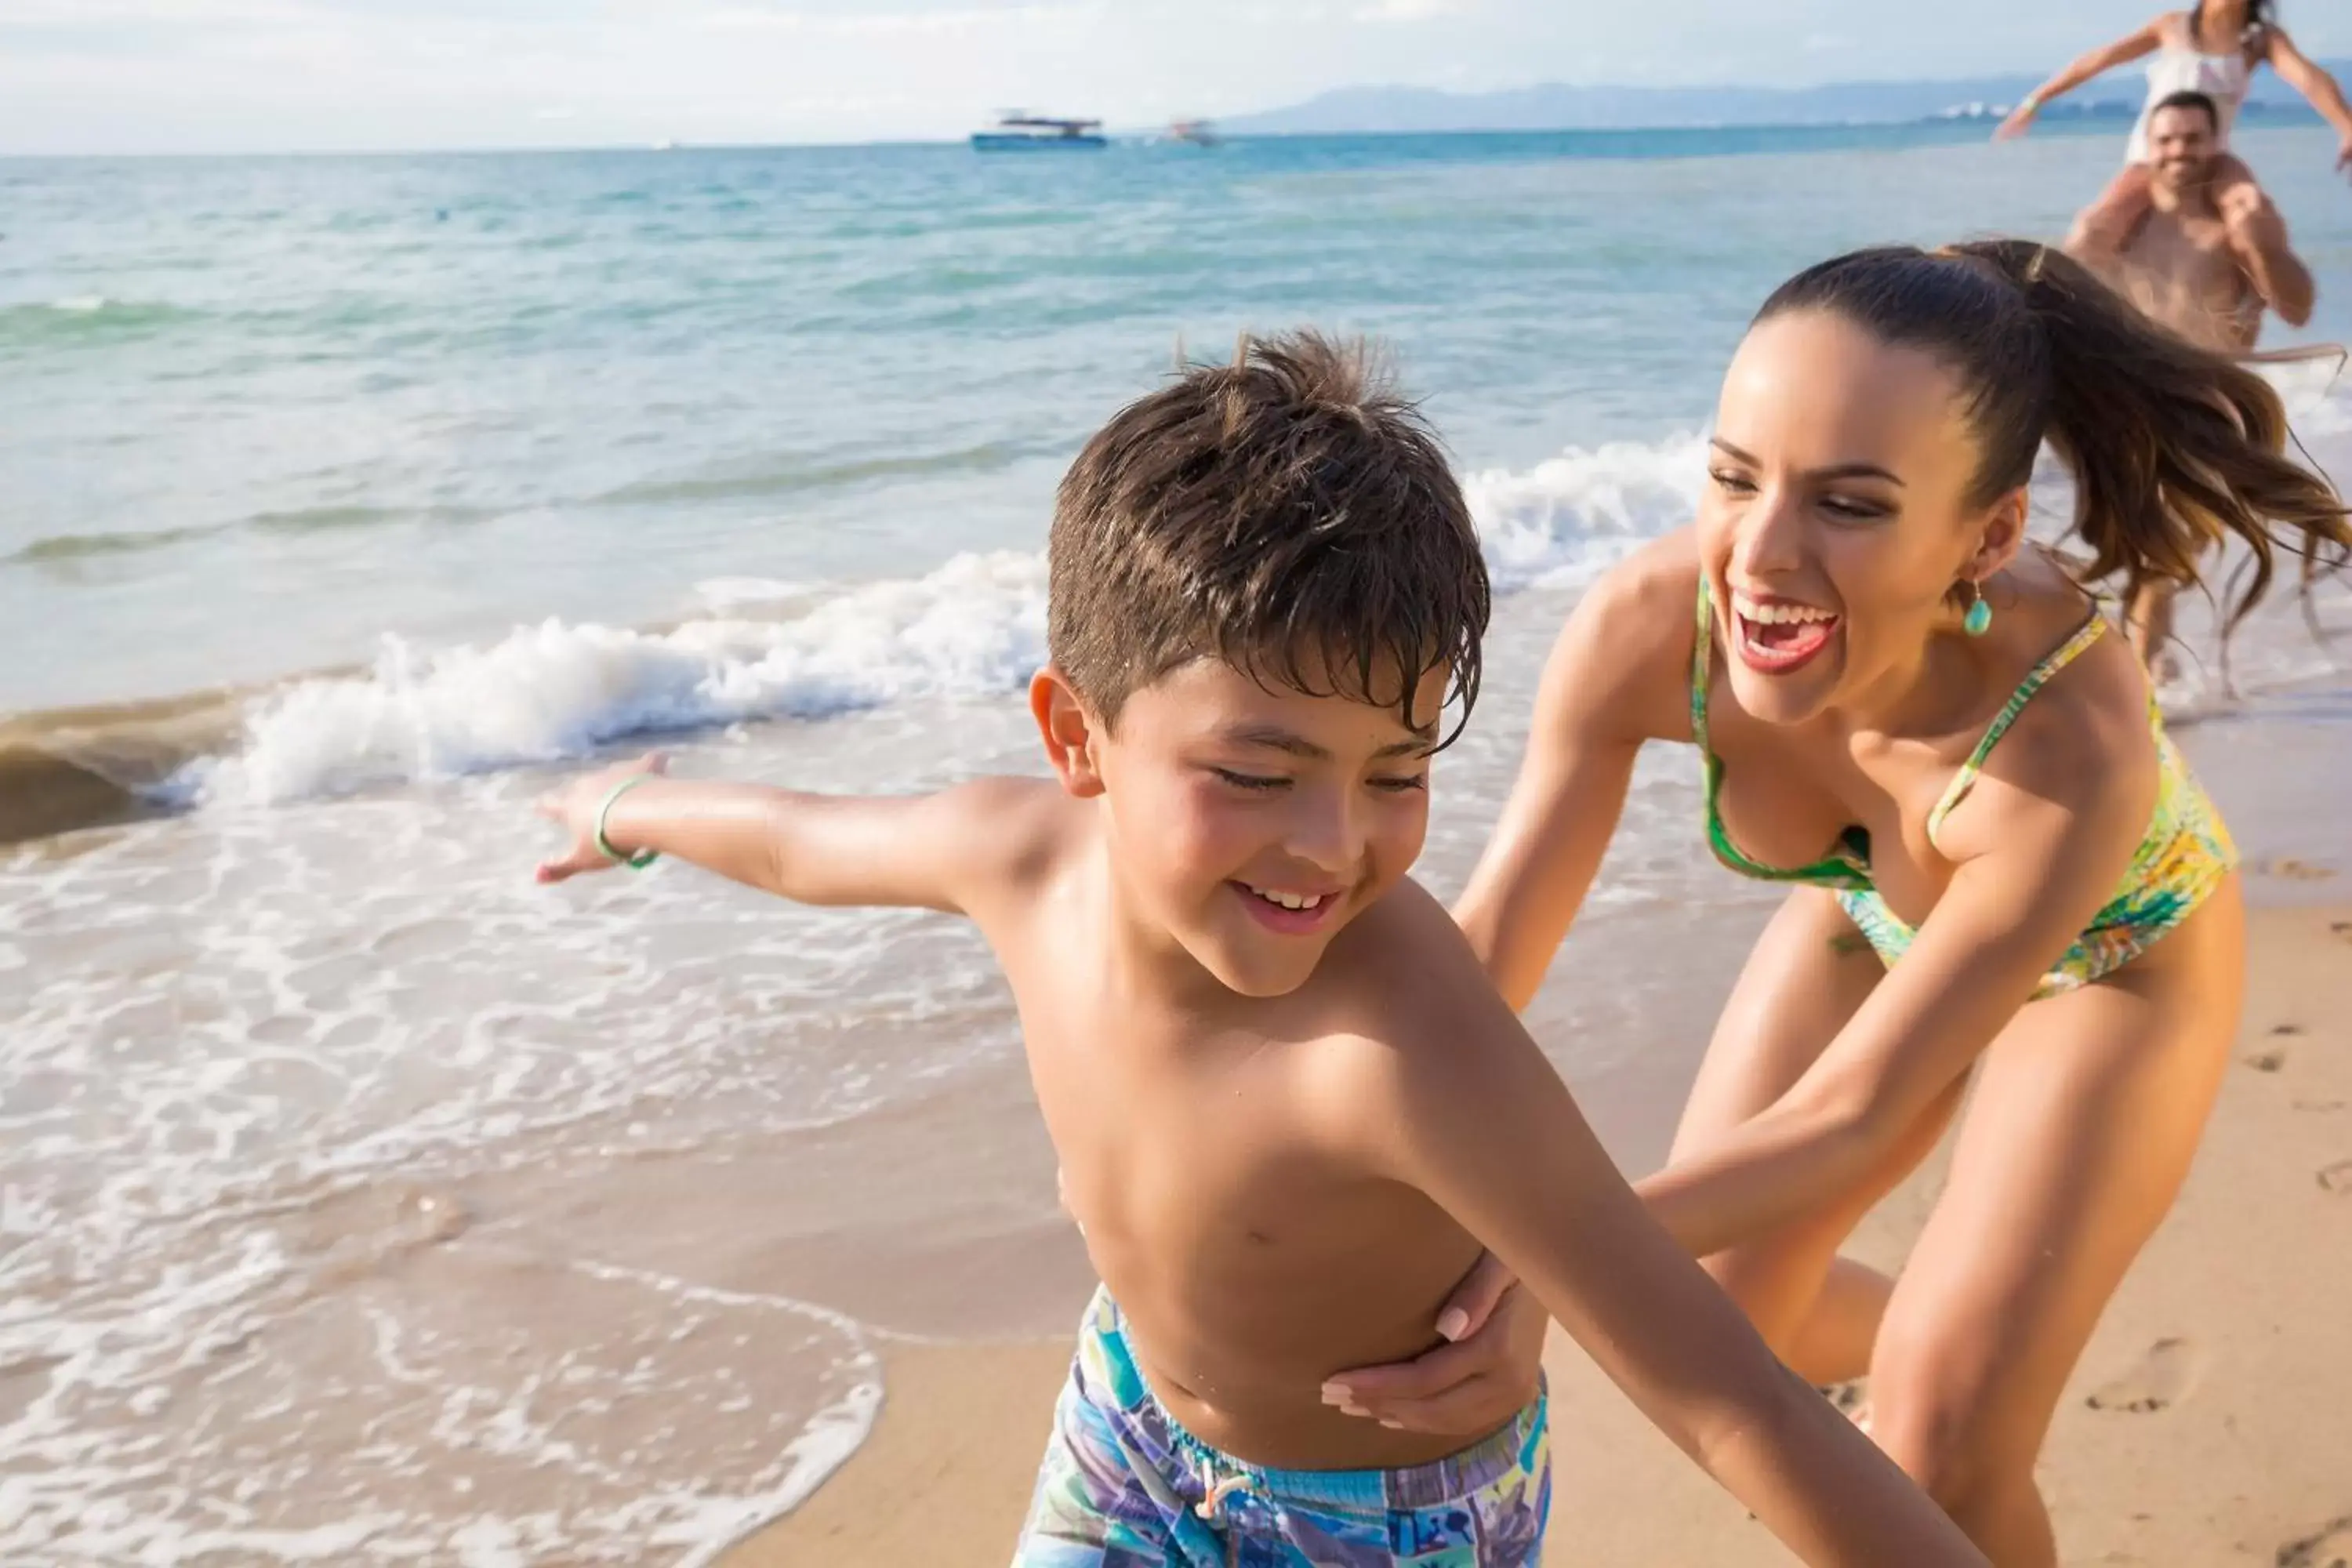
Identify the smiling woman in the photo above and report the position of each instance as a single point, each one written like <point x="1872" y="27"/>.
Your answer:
<point x="2002" y="869"/>
<point x="1776" y="635"/>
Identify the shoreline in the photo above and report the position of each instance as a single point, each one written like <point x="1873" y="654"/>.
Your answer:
<point x="2206" y="1423"/>
<point x="88" y="768"/>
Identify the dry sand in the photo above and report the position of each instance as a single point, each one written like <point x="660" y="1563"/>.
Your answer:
<point x="2210" y="1422"/>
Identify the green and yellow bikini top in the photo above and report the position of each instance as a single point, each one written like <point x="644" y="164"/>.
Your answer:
<point x="2184" y="855"/>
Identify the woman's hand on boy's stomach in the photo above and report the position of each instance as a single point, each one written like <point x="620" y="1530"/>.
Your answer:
<point x="1486" y="1373"/>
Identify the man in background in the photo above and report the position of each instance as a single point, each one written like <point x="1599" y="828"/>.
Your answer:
<point x="2205" y="266"/>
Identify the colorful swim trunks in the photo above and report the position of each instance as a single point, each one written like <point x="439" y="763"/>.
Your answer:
<point x="1123" y="1486"/>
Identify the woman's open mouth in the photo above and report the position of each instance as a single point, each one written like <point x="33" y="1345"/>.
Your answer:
<point x="1777" y="637"/>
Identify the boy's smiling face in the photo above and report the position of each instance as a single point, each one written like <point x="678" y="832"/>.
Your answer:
<point x="1249" y="821"/>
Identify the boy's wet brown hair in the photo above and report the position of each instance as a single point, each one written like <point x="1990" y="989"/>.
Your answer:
<point x="1289" y="513"/>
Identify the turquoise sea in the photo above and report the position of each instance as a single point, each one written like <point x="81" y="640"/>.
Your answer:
<point x="260" y="414"/>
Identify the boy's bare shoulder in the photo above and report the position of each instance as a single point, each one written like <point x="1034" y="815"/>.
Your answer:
<point x="1022" y="824"/>
<point x="1009" y="833"/>
<point x="1402" y="979"/>
<point x="1408" y="1031"/>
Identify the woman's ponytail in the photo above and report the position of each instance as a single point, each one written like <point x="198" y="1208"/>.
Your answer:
<point x="2174" y="449"/>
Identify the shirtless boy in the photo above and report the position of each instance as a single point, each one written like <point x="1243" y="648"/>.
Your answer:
<point x="1289" y="1106"/>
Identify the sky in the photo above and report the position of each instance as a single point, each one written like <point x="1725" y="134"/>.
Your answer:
<point x="146" y="76"/>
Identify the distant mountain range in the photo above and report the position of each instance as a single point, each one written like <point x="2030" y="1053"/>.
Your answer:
<point x="1560" y="107"/>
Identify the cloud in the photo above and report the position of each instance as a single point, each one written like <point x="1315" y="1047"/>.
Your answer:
<point x="897" y="24"/>
<point x="1827" y="43"/>
<point x="962" y="21"/>
<point x="1411" y="10"/>
<point x="136" y="13"/>
<point x="183" y="15"/>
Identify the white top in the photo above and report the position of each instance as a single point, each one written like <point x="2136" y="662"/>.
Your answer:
<point x="2222" y="78"/>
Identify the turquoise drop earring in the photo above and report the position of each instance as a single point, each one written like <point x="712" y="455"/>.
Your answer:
<point x="1978" y="619"/>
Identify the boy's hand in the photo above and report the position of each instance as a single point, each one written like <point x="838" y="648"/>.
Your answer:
<point x="2020" y="120"/>
<point x="1467" y="1389"/>
<point x="574" y="805"/>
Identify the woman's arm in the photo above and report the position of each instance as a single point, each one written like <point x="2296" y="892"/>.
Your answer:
<point x="2318" y="87"/>
<point x="2098" y="62"/>
<point x="1459" y="1103"/>
<point x="1616" y="678"/>
<point x="2051" y="827"/>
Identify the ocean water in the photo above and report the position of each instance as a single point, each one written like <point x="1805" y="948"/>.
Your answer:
<point x="360" y="1201"/>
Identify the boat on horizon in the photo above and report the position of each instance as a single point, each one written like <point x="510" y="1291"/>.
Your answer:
<point x="1016" y="131"/>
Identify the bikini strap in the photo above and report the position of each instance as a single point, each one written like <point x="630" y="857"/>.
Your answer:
<point x="1848" y="863"/>
<point x="2036" y="680"/>
<point x="1702" y="667"/>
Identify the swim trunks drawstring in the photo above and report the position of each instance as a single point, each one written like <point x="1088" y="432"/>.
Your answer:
<point x="1211" y="1509"/>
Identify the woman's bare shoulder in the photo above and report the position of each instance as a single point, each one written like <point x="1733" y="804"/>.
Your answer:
<point x="2082" y="743"/>
<point x="1624" y="660"/>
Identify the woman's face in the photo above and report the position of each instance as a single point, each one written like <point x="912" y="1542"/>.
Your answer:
<point x="1836" y="516"/>
<point x="2224" y="12"/>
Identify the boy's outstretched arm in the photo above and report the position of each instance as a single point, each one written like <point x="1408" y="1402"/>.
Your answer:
<point x="1468" y="1111"/>
<point x="932" y="851"/>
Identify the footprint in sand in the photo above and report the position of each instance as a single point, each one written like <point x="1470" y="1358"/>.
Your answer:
<point x="2343" y="928"/>
<point x="2338" y="1178"/>
<point x="2331" y="1548"/>
<point x="2272" y="1059"/>
<point x="2164" y="1377"/>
